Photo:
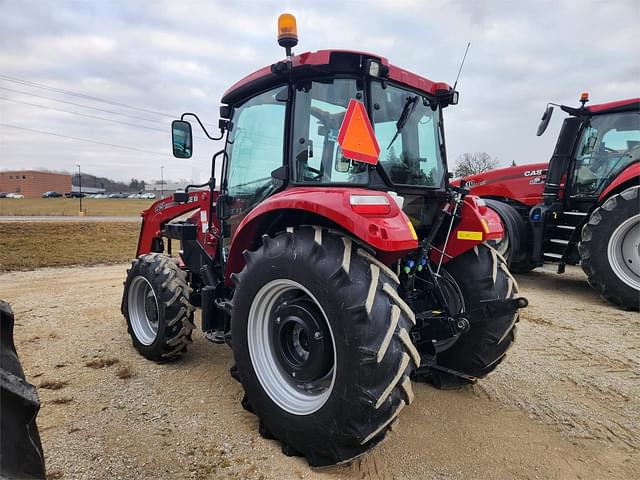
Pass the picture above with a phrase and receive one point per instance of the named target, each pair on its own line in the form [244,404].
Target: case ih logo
[533,173]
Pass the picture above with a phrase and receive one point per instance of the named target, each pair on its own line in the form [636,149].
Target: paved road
[61,218]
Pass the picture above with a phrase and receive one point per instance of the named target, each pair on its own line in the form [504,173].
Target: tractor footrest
[180,231]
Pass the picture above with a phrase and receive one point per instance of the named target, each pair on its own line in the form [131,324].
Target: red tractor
[335,277]
[580,208]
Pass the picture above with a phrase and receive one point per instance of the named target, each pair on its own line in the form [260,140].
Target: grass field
[27,245]
[70,206]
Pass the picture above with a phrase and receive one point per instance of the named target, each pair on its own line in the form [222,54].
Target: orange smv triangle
[356,137]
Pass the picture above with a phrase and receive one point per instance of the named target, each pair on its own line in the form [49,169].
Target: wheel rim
[624,252]
[291,346]
[143,310]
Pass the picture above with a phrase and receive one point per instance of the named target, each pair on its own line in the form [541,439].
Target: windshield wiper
[407,110]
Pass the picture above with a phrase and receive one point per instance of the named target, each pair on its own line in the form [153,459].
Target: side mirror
[182,139]
[544,122]
[343,164]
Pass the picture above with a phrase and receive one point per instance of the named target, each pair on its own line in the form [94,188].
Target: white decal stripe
[375,273]
[389,290]
[385,424]
[390,273]
[346,256]
[395,315]
[413,351]
[387,391]
[408,391]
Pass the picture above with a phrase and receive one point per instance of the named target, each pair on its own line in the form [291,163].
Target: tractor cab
[283,126]
[288,135]
[596,144]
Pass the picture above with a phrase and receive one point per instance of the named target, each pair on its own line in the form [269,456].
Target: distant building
[32,183]
[166,189]
[87,190]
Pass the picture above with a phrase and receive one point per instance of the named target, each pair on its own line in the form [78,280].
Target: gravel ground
[564,404]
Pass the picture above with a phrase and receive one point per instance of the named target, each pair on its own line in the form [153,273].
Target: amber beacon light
[287,32]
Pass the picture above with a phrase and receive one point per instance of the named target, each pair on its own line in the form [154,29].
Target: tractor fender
[390,233]
[629,177]
[477,224]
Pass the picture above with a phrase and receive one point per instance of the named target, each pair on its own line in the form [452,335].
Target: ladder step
[565,227]
[552,255]
[560,241]
[582,214]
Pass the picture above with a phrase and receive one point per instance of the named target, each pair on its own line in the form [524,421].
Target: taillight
[482,206]
[370,204]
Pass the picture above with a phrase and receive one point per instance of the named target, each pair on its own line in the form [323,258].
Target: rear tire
[156,305]
[481,274]
[333,393]
[513,246]
[609,249]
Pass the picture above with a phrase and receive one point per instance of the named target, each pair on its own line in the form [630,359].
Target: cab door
[255,148]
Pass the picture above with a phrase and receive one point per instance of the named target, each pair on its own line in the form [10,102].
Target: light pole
[162,180]
[80,186]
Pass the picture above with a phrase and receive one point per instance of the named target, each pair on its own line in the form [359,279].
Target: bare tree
[472,163]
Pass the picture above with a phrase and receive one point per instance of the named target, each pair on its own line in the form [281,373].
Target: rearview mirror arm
[203,127]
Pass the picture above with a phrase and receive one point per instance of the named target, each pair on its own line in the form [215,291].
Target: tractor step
[581,214]
[559,241]
[553,255]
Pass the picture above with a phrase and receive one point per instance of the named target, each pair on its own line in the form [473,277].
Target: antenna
[461,65]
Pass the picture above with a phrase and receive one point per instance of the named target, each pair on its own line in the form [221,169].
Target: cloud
[182,55]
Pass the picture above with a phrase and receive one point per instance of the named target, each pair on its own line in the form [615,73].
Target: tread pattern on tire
[384,345]
[172,291]
[481,274]
[606,283]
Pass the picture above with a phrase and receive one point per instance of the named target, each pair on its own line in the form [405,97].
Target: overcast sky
[174,56]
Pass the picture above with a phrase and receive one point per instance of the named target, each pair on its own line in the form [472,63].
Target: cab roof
[326,62]
[617,106]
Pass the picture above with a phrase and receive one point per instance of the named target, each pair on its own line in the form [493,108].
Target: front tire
[321,344]
[480,274]
[155,303]
[610,249]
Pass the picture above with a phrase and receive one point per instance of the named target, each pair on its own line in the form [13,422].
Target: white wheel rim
[278,384]
[624,252]
[143,323]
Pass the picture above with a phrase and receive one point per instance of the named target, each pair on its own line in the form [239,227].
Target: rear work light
[370,204]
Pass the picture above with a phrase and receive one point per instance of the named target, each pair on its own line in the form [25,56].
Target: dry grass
[102,362]
[28,245]
[71,206]
[61,400]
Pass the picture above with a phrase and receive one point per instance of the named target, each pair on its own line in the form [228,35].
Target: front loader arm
[164,210]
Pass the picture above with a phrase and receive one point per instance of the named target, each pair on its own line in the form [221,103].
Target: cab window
[608,144]
[407,130]
[255,148]
[319,110]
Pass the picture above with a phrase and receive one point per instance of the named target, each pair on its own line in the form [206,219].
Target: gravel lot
[565,404]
